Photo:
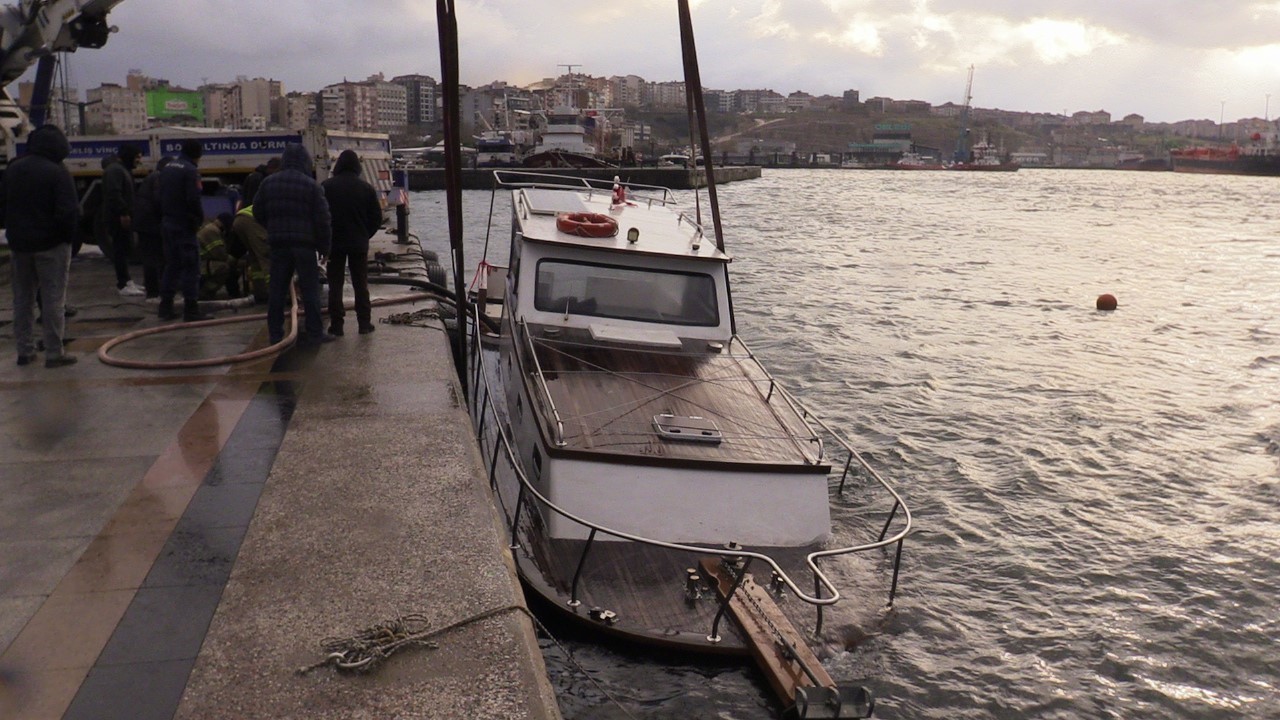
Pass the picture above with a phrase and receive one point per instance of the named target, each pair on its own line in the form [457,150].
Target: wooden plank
[762,622]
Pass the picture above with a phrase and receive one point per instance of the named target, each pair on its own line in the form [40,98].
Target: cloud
[1167,59]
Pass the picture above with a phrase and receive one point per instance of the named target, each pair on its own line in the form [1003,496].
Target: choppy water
[1096,493]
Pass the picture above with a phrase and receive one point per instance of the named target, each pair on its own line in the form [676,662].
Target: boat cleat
[829,703]
[777,585]
[692,585]
[608,617]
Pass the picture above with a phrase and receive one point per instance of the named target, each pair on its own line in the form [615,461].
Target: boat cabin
[656,282]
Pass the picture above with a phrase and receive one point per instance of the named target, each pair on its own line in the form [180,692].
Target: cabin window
[626,293]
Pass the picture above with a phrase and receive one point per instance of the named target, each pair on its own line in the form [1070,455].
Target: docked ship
[564,142]
[1260,157]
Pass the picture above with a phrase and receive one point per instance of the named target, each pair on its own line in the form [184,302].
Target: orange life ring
[591,225]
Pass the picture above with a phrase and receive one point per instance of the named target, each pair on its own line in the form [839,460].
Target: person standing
[254,180]
[181,215]
[117,213]
[146,223]
[40,213]
[291,205]
[357,215]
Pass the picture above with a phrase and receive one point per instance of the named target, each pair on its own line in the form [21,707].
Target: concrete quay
[177,543]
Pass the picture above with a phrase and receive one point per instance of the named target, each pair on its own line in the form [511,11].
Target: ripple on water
[1095,493]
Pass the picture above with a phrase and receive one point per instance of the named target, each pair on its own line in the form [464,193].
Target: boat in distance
[646,464]
[1260,157]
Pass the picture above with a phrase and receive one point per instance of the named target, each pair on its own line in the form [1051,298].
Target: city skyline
[1068,56]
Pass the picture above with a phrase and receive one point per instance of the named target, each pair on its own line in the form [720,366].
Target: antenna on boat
[693,91]
[696,106]
[447,28]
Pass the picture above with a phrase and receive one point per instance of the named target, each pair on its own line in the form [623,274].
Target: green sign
[164,104]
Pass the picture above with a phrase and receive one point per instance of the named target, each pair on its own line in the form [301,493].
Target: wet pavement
[178,543]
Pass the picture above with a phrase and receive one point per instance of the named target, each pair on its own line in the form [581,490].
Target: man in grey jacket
[40,215]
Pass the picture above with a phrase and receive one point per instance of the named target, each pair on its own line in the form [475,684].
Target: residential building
[297,111]
[350,106]
[420,98]
[116,109]
[392,105]
[667,95]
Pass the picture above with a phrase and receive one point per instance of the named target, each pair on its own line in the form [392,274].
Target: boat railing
[483,406]
[545,396]
[652,194]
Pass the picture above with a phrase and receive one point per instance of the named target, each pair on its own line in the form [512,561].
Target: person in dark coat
[357,215]
[40,213]
[117,213]
[146,223]
[254,180]
[291,205]
[181,215]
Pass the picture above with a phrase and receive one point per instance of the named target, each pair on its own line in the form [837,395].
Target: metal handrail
[542,383]
[525,179]
[821,581]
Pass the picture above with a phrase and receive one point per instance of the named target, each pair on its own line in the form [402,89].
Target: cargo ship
[1260,157]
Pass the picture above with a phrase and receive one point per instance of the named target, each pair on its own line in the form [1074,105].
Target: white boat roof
[664,229]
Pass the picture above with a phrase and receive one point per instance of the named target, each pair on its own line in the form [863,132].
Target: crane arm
[31,32]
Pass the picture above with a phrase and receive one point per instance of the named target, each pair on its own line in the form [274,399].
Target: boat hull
[1266,165]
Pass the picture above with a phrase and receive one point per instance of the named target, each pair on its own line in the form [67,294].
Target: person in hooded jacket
[40,214]
[181,215]
[146,222]
[291,205]
[117,213]
[357,215]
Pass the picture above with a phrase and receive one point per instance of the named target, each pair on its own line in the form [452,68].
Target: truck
[36,32]
[229,156]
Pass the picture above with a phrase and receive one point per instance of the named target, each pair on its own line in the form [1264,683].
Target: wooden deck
[608,398]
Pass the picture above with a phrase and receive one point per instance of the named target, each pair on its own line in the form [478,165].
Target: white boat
[638,448]
[496,149]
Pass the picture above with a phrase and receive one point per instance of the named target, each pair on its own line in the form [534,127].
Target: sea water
[1095,493]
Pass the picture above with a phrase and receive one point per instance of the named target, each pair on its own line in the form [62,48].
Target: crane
[962,143]
[32,32]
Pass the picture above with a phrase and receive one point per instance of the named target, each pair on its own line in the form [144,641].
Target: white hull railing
[483,405]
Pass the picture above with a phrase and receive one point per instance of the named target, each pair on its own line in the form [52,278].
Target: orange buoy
[1106,301]
[582,224]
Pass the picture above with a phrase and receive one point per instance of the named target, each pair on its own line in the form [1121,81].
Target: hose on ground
[104,352]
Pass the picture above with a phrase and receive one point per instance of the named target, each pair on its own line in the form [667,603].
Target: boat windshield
[626,293]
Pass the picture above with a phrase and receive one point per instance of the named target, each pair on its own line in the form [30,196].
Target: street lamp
[1266,114]
[1222,109]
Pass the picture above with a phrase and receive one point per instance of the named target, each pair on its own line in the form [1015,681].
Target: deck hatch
[550,202]
[689,428]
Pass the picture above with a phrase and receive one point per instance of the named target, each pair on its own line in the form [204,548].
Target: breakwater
[673,177]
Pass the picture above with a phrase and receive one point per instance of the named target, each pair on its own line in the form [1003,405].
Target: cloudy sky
[1165,59]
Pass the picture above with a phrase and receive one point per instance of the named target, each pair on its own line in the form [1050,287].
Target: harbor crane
[962,143]
[32,32]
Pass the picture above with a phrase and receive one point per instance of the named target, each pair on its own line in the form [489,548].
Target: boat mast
[962,143]
[447,29]
[698,108]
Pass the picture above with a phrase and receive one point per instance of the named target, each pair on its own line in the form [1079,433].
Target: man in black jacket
[181,215]
[40,214]
[357,215]
[291,205]
[117,213]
